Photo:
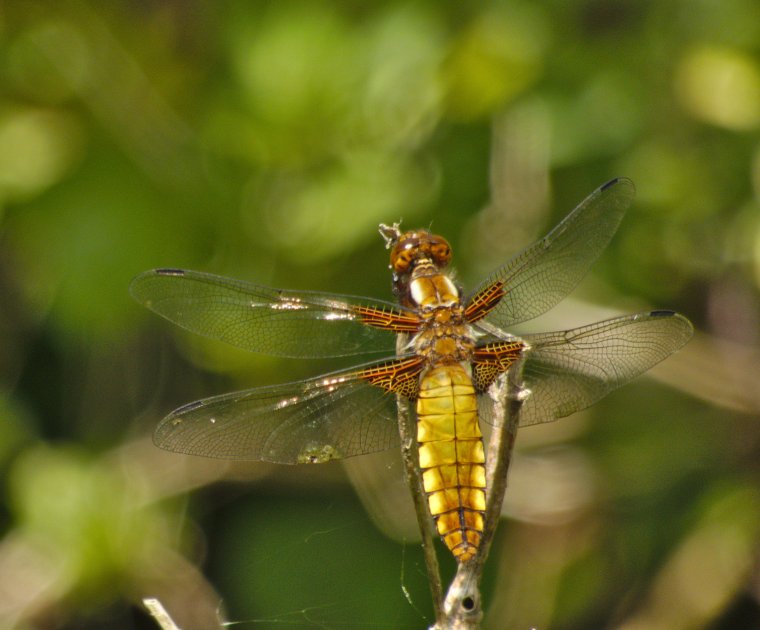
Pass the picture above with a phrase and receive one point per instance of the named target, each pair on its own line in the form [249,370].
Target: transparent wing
[571,370]
[271,321]
[547,271]
[312,421]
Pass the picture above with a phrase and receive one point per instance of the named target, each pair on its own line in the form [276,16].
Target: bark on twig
[407,427]
[158,612]
[408,430]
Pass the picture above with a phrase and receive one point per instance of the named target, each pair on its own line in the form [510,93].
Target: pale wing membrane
[270,321]
[571,370]
[313,421]
[542,275]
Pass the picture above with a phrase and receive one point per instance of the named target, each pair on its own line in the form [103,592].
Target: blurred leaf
[88,517]
[494,58]
[37,148]
[721,86]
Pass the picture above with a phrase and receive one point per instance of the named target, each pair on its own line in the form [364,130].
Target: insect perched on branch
[459,345]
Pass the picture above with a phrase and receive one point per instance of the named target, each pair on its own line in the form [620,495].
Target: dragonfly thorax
[444,337]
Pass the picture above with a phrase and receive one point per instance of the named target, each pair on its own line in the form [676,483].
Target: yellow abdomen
[452,457]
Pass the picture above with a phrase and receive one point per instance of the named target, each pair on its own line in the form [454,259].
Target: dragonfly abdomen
[452,457]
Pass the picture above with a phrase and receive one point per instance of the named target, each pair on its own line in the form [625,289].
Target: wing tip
[136,285]
[625,182]
[686,331]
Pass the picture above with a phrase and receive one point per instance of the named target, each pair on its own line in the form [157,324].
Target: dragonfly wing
[571,370]
[336,415]
[271,321]
[542,275]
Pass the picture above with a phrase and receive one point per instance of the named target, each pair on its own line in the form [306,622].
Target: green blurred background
[266,141]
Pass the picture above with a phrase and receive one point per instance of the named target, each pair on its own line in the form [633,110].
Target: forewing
[547,271]
[271,321]
[571,370]
[313,421]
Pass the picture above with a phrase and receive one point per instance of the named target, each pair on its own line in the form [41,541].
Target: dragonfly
[456,346]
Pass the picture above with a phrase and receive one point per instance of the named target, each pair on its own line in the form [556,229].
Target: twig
[414,478]
[158,612]
[408,430]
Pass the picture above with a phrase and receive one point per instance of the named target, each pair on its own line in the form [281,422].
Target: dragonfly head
[411,249]
[414,253]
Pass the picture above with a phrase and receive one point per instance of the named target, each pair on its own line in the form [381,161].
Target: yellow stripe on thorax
[451,457]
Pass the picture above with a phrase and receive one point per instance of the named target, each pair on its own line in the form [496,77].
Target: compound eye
[403,255]
[440,251]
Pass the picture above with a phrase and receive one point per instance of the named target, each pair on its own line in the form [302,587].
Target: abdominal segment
[452,458]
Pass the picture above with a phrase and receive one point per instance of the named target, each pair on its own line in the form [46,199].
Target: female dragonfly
[458,347]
